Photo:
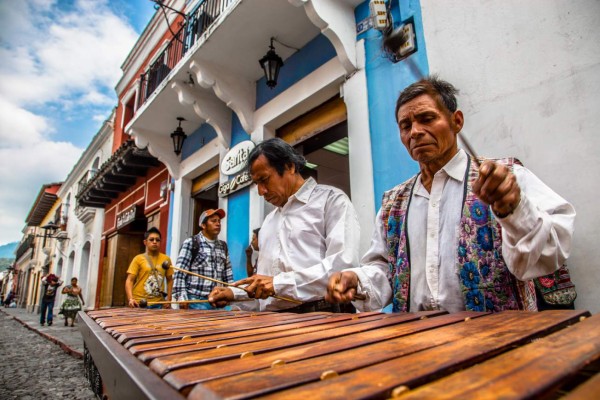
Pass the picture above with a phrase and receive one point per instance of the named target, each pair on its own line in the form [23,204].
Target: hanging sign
[235,160]
[234,184]
[126,216]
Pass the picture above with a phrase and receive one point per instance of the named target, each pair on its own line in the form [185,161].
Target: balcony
[198,22]
[85,214]
[24,246]
[87,177]
[115,176]
[210,68]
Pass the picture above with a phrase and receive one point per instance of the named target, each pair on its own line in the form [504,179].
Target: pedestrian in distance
[73,302]
[252,252]
[50,284]
[145,275]
[206,255]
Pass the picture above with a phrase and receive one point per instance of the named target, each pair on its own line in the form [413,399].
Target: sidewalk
[69,339]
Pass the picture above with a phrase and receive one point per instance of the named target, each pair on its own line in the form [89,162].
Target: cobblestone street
[35,368]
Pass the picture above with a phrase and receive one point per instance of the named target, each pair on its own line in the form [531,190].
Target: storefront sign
[126,216]
[236,158]
[234,184]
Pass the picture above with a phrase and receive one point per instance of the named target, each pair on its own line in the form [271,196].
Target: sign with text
[126,216]
[234,184]
[235,160]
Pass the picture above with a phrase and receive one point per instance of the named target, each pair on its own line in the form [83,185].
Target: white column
[181,227]
[359,139]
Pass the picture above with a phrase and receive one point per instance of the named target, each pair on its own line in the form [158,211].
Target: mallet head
[143,303]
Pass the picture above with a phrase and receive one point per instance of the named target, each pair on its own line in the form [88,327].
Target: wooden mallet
[166,266]
[145,303]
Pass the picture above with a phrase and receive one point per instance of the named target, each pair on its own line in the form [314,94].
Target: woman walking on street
[71,305]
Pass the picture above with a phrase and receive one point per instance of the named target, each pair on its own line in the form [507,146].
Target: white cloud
[59,61]
[96,98]
[18,127]
[23,171]
[99,117]
[67,55]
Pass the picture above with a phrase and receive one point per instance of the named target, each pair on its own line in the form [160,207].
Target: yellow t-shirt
[145,282]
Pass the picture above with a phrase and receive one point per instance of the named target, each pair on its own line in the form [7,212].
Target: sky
[61,61]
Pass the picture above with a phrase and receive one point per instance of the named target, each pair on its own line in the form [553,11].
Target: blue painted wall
[300,64]
[194,142]
[385,80]
[238,207]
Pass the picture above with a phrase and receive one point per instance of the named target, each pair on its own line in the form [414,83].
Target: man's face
[212,226]
[274,188]
[428,131]
[153,242]
[254,241]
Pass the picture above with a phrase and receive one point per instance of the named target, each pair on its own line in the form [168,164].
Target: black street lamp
[271,63]
[178,137]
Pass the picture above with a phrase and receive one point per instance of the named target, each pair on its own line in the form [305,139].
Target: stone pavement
[34,367]
[69,339]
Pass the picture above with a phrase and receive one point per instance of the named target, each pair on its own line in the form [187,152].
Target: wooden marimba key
[232,354]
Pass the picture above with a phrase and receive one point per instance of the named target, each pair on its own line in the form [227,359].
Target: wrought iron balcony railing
[195,24]
[25,245]
[88,176]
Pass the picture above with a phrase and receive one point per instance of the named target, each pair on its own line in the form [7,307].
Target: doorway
[321,136]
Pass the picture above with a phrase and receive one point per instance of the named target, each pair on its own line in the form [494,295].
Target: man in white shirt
[312,232]
[464,233]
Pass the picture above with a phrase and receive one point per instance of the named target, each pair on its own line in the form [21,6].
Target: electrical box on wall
[408,46]
[400,42]
[379,14]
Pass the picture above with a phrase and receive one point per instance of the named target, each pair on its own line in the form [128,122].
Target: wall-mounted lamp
[271,63]
[50,226]
[178,137]
[49,230]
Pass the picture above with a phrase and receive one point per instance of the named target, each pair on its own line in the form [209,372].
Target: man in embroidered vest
[312,231]
[463,234]
[145,275]
[206,255]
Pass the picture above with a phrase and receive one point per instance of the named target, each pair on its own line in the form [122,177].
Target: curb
[73,353]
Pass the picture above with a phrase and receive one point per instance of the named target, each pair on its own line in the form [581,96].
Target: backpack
[196,247]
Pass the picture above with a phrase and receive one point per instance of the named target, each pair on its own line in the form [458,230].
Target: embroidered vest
[485,281]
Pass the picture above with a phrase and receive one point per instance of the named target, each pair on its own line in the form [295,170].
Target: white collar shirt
[314,233]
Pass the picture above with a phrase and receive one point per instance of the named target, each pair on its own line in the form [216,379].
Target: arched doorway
[84,269]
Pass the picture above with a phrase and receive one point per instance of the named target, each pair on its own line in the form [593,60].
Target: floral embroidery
[470,275]
[485,281]
[475,301]
[484,237]
[479,212]
[483,240]
[484,268]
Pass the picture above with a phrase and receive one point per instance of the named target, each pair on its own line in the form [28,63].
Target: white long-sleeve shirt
[536,240]
[301,243]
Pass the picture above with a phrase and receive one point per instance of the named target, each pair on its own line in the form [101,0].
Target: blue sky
[60,63]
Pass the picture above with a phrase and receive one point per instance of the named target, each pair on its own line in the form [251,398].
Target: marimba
[171,354]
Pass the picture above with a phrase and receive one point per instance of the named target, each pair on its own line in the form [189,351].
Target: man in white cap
[206,255]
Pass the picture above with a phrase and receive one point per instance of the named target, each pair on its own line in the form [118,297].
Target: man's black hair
[150,231]
[279,154]
[443,92]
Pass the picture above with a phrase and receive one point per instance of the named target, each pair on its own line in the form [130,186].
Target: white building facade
[527,73]
[77,253]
